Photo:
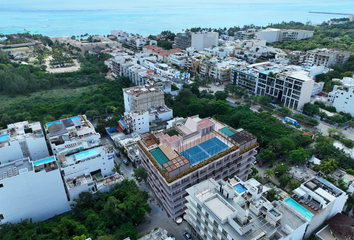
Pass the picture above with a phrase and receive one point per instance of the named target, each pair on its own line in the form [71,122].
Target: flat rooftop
[223,210]
[15,168]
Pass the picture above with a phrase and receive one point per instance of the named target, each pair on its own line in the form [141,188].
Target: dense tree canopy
[104,216]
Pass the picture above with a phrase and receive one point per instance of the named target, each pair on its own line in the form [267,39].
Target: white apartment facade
[21,140]
[178,59]
[201,40]
[317,88]
[31,189]
[72,134]
[279,35]
[84,170]
[291,85]
[326,57]
[342,97]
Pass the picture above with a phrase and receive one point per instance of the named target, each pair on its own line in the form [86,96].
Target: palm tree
[116,168]
[328,166]
[258,178]
[284,181]
[268,173]
[349,205]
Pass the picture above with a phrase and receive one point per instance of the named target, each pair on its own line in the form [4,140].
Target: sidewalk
[158,217]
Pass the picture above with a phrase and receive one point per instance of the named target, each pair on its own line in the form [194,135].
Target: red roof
[308,134]
[205,123]
[119,129]
[173,139]
[165,136]
[322,94]
[342,224]
[164,54]
[150,72]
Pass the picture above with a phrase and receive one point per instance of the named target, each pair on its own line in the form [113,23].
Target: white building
[87,167]
[319,200]
[178,59]
[326,57]
[137,121]
[72,134]
[292,85]
[280,35]
[317,88]
[239,210]
[31,190]
[21,140]
[342,97]
[201,40]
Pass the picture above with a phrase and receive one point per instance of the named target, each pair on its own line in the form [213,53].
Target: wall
[101,162]
[269,36]
[33,195]
[345,100]
[37,147]
[306,92]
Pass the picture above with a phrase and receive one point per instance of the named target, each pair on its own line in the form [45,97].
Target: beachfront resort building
[31,189]
[144,104]
[291,85]
[22,140]
[279,35]
[236,209]
[71,135]
[183,156]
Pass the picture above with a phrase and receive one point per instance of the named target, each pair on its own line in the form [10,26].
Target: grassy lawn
[58,93]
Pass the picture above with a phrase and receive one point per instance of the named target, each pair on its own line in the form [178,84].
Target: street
[158,216]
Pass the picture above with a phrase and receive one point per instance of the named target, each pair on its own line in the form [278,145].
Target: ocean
[77,17]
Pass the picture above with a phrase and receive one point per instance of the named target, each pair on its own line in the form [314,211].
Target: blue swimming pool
[76,117]
[299,208]
[86,154]
[239,188]
[4,137]
[43,161]
[48,124]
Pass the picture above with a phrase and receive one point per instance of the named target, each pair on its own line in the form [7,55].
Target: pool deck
[309,209]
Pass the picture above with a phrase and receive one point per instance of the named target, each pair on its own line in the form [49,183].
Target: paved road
[158,216]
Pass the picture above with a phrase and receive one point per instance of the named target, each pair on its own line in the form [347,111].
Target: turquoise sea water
[66,18]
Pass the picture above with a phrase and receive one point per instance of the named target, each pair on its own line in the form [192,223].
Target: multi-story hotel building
[183,156]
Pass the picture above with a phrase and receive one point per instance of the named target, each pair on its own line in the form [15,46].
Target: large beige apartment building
[183,156]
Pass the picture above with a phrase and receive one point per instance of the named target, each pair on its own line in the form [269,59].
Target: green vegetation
[105,216]
[165,44]
[140,174]
[324,37]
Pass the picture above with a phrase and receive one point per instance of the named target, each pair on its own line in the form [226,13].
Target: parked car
[187,235]
[118,154]
[125,161]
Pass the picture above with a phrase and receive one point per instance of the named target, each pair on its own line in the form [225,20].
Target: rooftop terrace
[18,167]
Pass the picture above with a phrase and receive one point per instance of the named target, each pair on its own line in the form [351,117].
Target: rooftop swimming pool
[299,208]
[43,161]
[4,137]
[76,117]
[239,188]
[86,154]
[49,124]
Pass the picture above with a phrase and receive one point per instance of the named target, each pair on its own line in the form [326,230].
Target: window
[224,232]
[214,230]
[207,215]
[206,222]
[216,224]
[1,185]
[199,207]
[199,214]
[1,217]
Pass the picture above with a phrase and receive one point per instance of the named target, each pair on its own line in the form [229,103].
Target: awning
[299,192]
